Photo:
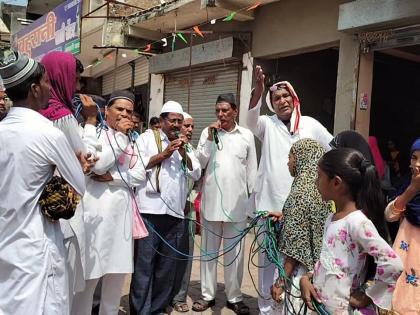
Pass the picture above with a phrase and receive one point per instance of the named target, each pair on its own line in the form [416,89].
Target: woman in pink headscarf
[64,72]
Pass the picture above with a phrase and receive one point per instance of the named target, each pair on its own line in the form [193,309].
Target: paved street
[250,294]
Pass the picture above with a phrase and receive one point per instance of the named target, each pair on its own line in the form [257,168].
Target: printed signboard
[59,30]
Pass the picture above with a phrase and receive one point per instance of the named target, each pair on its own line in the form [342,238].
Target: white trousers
[233,259]
[266,279]
[112,285]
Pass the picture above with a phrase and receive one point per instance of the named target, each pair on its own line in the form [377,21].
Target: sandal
[181,307]
[238,307]
[201,305]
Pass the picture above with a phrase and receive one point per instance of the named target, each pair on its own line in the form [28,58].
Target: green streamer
[180,35]
[229,17]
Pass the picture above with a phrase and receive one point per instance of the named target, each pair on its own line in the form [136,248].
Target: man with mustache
[277,134]
[169,164]
[227,151]
[183,275]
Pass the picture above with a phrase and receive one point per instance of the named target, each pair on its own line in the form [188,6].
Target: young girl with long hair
[406,207]
[338,283]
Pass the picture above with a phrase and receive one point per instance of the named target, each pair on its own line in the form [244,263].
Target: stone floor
[248,290]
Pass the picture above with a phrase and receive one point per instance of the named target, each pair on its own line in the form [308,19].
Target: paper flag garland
[180,35]
[253,7]
[198,31]
[229,17]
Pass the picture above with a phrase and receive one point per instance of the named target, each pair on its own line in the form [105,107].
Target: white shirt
[172,179]
[81,139]
[105,229]
[273,178]
[32,266]
[230,174]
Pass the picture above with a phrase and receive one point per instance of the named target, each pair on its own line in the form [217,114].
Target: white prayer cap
[186,115]
[172,107]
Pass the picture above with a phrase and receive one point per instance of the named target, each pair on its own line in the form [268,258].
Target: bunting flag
[148,48]
[198,31]
[180,35]
[229,17]
[254,6]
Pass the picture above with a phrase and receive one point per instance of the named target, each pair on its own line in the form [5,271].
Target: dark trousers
[152,283]
[183,269]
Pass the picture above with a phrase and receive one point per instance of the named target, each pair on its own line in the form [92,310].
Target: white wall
[370,14]
[290,27]
[246,87]
[156,94]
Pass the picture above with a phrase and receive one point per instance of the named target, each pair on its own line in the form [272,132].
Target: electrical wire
[263,228]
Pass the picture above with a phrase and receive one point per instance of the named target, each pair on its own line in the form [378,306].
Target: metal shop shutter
[207,83]
[123,76]
[141,71]
[122,80]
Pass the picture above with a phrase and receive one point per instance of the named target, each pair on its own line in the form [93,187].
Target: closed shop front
[123,76]
[199,97]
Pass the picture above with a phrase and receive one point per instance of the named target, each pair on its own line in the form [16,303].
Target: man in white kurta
[277,134]
[33,275]
[108,211]
[162,201]
[184,267]
[231,166]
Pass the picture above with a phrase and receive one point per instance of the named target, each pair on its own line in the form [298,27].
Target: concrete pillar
[246,87]
[156,94]
[347,76]
[364,94]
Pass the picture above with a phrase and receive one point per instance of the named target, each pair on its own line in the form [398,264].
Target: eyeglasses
[174,121]
[277,87]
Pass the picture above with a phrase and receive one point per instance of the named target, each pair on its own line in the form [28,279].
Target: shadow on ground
[248,290]
[194,293]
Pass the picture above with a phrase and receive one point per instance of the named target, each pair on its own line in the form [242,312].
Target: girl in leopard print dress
[304,215]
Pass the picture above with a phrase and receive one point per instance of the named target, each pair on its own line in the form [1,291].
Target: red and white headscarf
[294,120]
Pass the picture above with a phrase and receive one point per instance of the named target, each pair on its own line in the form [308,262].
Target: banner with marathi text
[59,30]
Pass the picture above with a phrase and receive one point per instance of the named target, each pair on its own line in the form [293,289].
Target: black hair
[228,98]
[155,120]
[79,66]
[137,114]
[20,92]
[362,180]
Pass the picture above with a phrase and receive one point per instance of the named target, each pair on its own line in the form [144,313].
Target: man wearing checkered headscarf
[277,133]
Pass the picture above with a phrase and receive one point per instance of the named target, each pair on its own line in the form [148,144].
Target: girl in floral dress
[406,207]
[351,181]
